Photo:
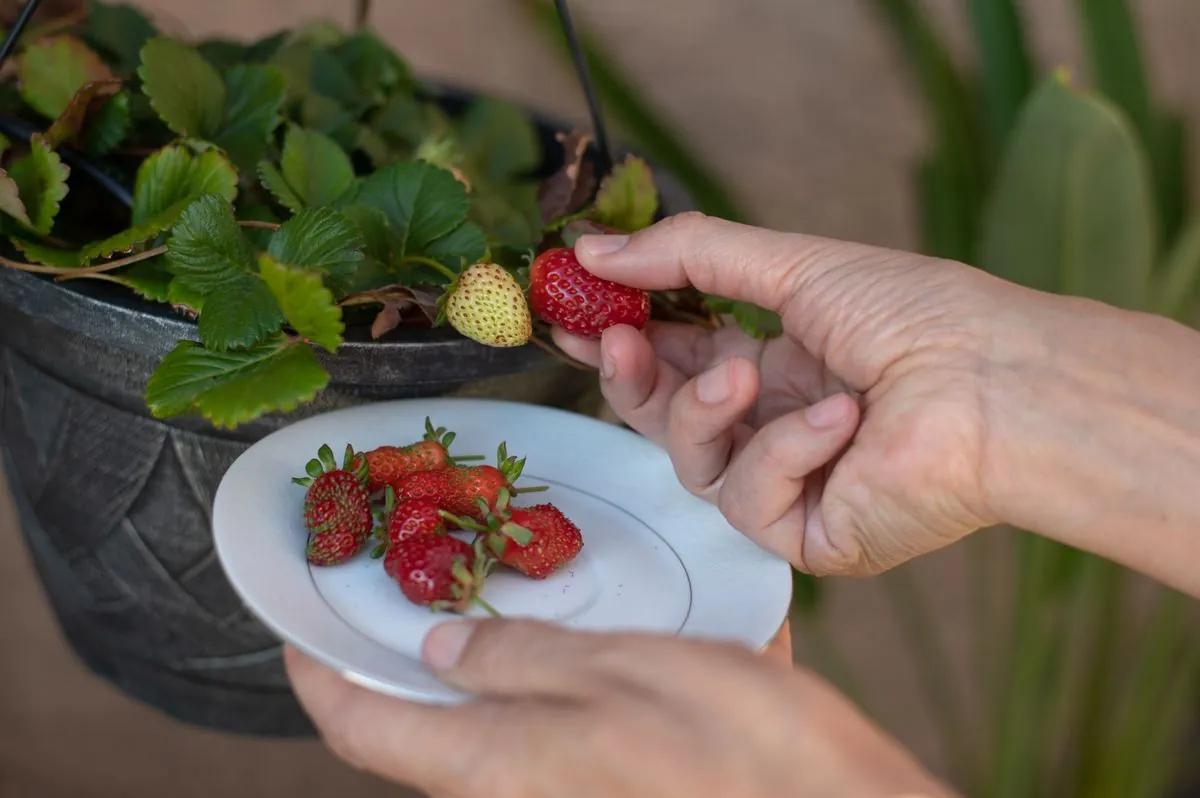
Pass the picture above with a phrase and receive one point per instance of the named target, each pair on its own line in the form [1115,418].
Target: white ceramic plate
[654,558]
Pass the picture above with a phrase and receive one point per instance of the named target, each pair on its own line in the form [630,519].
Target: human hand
[569,713]
[854,441]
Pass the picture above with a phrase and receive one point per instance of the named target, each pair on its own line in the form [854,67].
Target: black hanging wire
[20,129]
[585,83]
[18,26]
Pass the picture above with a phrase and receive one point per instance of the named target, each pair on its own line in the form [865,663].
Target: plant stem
[258,224]
[932,670]
[554,352]
[440,268]
[70,272]
[531,489]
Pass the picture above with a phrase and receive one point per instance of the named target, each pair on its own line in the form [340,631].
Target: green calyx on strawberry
[534,540]
[441,572]
[337,509]
[486,304]
[459,489]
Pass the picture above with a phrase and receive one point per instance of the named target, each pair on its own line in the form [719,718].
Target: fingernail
[601,245]
[829,412]
[608,366]
[712,387]
[445,643]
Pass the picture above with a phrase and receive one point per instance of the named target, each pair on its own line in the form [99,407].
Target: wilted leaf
[10,199]
[90,98]
[566,191]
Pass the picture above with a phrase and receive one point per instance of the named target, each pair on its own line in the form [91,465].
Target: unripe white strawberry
[487,305]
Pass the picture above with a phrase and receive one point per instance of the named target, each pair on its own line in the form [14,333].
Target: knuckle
[686,222]
[732,506]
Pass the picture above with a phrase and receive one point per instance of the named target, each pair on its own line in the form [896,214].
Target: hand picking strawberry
[565,294]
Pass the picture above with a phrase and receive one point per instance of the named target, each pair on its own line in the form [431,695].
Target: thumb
[714,255]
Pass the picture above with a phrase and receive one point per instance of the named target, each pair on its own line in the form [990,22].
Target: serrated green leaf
[375,69]
[421,202]
[174,173]
[314,170]
[86,102]
[320,113]
[211,258]
[322,239]
[1072,210]
[49,256]
[459,248]
[207,249]
[51,70]
[1178,286]
[508,213]
[628,197]
[239,312]
[498,140]
[118,31]
[184,89]
[379,241]
[10,199]
[108,127]
[307,304]
[253,97]
[272,180]
[41,177]
[180,295]
[149,279]
[229,388]
[130,238]
[402,118]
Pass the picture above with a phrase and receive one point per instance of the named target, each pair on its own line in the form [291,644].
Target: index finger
[716,256]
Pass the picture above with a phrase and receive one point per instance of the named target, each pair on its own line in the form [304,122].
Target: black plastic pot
[115,505]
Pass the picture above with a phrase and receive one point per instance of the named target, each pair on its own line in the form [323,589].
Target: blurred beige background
[801,105]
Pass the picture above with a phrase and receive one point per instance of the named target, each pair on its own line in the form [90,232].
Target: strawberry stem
[530,489]
[467,458]
[488,608]
[432,264]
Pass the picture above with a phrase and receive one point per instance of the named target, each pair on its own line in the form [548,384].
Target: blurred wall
[802,105]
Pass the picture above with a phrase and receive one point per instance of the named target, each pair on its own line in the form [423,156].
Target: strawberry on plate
[337,512]
[458,490]
[386,464]
[440,572]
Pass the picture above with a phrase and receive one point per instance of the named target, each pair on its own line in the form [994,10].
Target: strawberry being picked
[459,489]
[440,572]
[564,293]
[388,463]
[337,512]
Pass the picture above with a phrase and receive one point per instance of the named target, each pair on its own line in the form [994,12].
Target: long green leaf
[1006,69]
[1177,289]
[1072,210]
[1110,33]
[955,179]
[653,135]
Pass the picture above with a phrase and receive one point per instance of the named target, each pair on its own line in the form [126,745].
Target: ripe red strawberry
[439,571]
[414,517]
[564,293]
[554,540]
[386,464]
[337,512]
[459,490]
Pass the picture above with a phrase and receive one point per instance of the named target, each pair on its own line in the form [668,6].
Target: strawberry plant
[285,194]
